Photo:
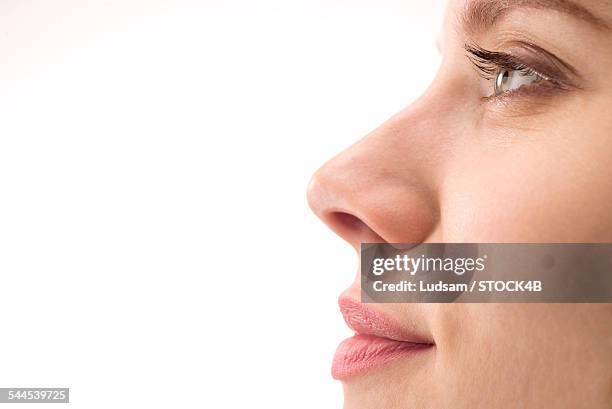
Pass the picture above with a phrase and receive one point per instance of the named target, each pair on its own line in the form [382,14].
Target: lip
[377,342]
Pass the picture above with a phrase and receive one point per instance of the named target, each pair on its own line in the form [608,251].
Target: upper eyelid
[482,58]
[552,69]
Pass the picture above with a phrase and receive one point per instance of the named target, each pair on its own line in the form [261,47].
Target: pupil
[505,77]
[501,82]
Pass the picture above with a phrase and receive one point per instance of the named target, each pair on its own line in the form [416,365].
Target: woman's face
[527,160]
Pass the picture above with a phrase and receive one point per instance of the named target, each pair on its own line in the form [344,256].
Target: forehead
[594,5]
[477,16]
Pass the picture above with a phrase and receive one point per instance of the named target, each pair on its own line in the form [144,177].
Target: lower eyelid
[528,100]
[542,88]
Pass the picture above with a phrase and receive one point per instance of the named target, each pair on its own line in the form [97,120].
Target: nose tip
[328,200]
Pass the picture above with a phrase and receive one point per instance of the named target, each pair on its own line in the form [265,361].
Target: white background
[156,248]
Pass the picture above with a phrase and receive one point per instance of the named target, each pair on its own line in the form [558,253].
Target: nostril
[348,221]
[352,228]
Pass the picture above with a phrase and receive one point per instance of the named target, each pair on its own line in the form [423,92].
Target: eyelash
[490,63]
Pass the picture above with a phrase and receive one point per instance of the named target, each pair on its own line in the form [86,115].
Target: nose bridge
[385,187]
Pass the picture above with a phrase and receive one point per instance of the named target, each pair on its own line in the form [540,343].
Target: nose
[384,188]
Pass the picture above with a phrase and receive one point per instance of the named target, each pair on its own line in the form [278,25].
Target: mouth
[377,342]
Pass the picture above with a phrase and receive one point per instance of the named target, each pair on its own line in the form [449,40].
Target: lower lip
[362,353]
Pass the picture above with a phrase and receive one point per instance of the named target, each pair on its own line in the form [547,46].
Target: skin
[534,167]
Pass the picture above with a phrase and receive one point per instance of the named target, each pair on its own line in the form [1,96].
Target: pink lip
[378,341]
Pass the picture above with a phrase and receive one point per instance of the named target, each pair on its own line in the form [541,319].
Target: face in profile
[510,143]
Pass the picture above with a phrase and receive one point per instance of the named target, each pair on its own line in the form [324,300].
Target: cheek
[526,194]
[494,343]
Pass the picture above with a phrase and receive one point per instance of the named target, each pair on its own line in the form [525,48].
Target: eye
[507,73]
[521,75]
[508,80]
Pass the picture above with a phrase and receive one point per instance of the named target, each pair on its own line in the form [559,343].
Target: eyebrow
[480,15]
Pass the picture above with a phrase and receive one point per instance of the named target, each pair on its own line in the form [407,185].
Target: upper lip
[365,320]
